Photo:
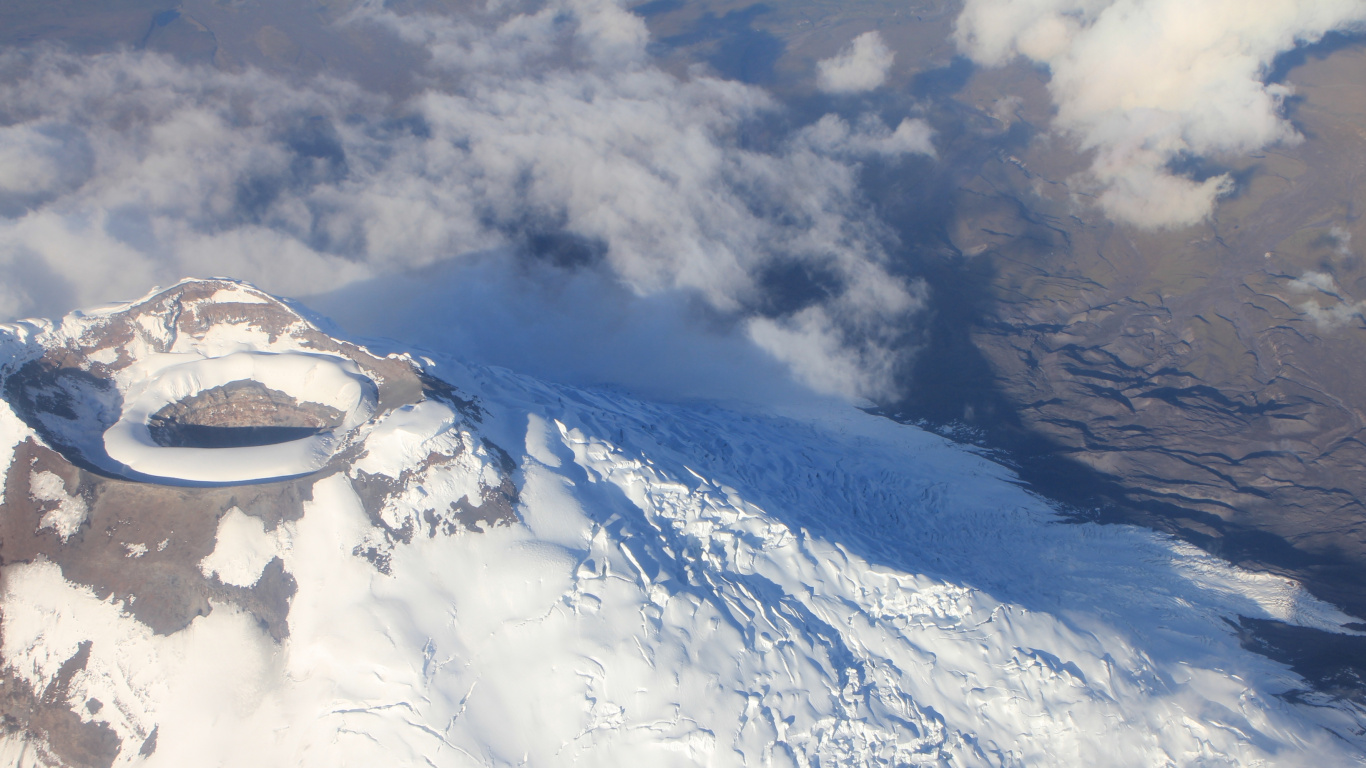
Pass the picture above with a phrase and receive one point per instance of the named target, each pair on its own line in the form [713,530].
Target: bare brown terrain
[62,738]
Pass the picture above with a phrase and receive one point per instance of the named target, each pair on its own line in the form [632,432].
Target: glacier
[486,569]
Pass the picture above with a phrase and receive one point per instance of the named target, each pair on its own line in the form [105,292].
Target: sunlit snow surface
[697,585]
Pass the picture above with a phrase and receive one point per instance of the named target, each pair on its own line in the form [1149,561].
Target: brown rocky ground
[140,545]
[240,413]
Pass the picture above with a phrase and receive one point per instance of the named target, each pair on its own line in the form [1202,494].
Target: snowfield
[685,585]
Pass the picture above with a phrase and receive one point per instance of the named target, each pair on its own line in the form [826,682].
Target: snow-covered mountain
[229,539]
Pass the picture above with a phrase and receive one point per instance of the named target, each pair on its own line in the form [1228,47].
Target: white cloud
[811,344]
[1339,311]
[34,164]
[1143,83]
[543,127]
[1317,281]
[861,66]
[1333,316]
[832,134]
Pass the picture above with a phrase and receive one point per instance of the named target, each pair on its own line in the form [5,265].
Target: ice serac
[482,569]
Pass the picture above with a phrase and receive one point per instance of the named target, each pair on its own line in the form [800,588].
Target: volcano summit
[228,538]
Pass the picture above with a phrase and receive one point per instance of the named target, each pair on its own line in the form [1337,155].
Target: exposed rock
[149,745]
[241,413]
[380,493]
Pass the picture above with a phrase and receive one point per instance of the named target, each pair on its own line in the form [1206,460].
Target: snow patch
[211,689]
[13,431]
[70,513]
[105,356]
[242,550]
[409,435]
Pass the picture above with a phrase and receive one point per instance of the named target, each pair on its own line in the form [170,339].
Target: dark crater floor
[239,414]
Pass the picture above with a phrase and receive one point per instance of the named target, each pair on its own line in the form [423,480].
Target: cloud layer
[544,132]
[1146,84]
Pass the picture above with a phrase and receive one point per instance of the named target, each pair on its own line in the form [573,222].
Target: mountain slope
[484,569]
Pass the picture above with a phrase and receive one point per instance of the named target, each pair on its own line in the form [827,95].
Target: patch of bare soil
[140,544]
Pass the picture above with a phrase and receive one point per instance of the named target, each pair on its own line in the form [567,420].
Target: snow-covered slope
[489,570]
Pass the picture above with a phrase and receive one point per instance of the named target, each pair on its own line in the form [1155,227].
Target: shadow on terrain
[738,51]
[1287,62]
[943,81]
[953,386]
[203,436]
[68,407]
